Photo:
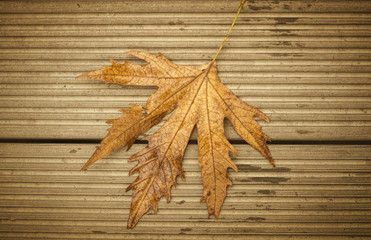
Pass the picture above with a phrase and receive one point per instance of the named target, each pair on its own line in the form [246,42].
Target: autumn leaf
[195,96]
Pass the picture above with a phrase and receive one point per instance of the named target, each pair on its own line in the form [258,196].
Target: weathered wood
[95,129]
[187,18]
[135,6]
[314,190]
[183,236]
[115,46]
[307,65]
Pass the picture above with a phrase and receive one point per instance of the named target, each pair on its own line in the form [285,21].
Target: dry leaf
[196,97]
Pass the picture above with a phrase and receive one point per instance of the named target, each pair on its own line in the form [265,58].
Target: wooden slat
[315,191]
[185,236]
[135,6]
[187,18]
[305,64]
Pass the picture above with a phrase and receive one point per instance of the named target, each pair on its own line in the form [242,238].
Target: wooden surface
[306,64]
[314,191]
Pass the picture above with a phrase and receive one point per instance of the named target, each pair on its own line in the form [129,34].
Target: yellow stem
[229,31]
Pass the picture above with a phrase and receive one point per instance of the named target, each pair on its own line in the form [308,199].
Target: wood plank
[119,44]
[183,236]
[315,191]
[135,6]
[307,68]
[186,18]
[31,32]
[97,130]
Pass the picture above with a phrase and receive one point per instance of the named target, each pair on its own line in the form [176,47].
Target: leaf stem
[229,31]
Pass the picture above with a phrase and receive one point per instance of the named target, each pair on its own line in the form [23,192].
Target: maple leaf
[196,97]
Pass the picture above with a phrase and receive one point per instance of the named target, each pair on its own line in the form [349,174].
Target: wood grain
[306,64]
[314,190]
